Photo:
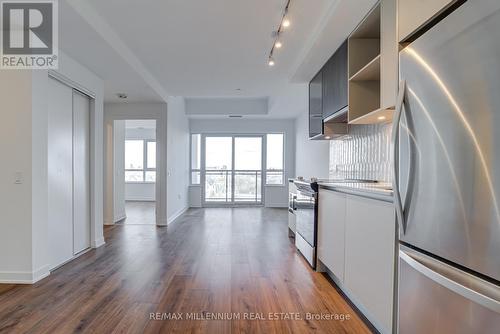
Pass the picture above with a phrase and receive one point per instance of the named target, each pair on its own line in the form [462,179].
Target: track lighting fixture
[284,23]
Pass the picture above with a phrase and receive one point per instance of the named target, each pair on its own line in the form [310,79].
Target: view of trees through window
[140,161]
[240,180]
[275,156]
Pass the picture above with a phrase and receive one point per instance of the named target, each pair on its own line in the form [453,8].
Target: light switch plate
[18,178]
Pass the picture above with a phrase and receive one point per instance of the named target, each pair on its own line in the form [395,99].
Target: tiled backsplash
[363,154]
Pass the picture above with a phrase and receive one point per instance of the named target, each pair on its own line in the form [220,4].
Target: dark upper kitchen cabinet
[316,105]
[327,96]
[335,82]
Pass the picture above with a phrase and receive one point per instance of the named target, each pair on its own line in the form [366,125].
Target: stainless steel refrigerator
[447,175]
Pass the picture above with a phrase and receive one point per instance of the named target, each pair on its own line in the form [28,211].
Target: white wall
[23,143]
[142,192]
[16,151]
[226,106]
[119,173]
[275,196]
[177,158]
[140,133]
[312,156]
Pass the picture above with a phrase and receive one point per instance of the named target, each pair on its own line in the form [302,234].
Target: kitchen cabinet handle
[468,286]
[395,155]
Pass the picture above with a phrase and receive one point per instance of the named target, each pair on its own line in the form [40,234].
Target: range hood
[334,127]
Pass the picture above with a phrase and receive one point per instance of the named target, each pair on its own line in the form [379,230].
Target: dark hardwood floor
[139,213]
[210,263]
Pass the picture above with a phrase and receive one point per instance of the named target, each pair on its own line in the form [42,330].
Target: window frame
[145,168]
[191,169]
[282,171]
[265,170]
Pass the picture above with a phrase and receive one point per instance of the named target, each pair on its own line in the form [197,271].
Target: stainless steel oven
[292,196]
[306,215]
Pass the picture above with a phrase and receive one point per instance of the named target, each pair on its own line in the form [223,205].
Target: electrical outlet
[179,196]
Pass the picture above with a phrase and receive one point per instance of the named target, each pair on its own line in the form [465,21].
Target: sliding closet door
[60,173]
[81,172]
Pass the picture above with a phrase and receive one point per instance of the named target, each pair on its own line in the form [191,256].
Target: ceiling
[152,49]
[84,44]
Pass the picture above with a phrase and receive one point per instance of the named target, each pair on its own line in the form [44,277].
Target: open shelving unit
[364,69]
[370,72]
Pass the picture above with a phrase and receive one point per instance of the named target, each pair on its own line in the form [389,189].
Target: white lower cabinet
[331,230]
[357,242]
[370,258]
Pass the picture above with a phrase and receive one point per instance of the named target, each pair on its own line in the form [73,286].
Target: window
[195,158]
[275,159]
[140,161]
[218,159]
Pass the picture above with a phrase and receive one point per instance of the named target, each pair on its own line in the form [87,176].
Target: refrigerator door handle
[395,155]
[468,286]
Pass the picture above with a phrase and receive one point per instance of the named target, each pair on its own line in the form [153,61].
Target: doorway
[233,169]
[135,160]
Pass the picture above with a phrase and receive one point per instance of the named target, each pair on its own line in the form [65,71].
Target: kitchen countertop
[378,190]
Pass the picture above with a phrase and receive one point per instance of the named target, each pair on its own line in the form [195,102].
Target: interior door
[81,172]
[60,173]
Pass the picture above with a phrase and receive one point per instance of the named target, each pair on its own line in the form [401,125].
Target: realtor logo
[29,34]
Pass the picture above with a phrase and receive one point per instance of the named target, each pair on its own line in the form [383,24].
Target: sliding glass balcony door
[218,172]
[247,169]
[233,170]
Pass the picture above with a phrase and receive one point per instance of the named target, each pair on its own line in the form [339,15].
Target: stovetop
[310,181]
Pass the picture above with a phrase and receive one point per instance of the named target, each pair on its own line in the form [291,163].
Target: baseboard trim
[276,205]
[358,308]
[16,277]
[98,243]
[176,215]
[140,200]
[120,218]
[108,222]
[24,277]
[41,273]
